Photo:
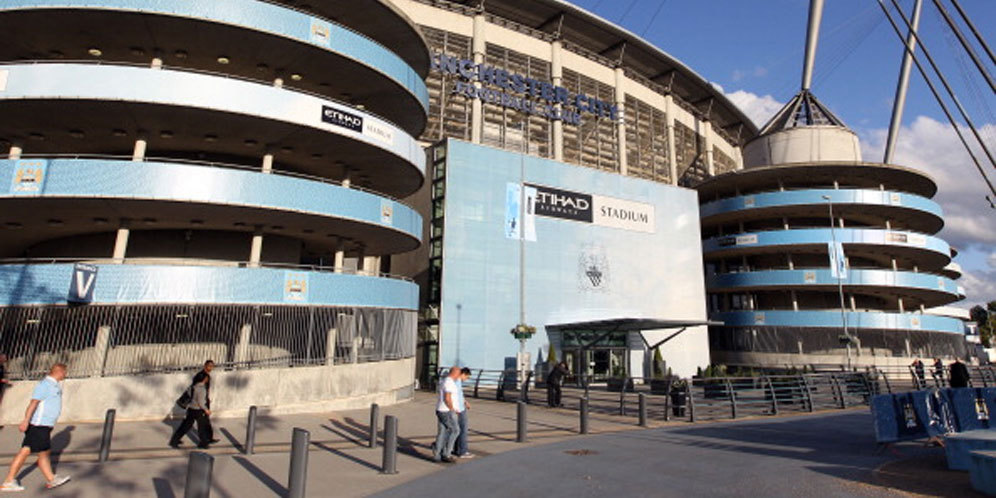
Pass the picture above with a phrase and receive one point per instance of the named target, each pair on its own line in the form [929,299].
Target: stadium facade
[209,180]
[813,256]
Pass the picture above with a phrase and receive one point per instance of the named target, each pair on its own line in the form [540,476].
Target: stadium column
[705,126]
[477,107]
[620,95]
[557,75]
[138,155]
[100,345]
[330,346]
[241,355]
[256,247]
[738,156]
[340,255]
[267,163]
[121,242]
[672,154]
[15,152]
[371,265]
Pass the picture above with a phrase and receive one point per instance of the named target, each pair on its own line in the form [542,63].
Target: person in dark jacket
[918,372]
[959,374]
[554,381]
[197,411]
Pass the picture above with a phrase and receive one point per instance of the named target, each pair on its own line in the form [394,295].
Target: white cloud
[969,223]
[759,109]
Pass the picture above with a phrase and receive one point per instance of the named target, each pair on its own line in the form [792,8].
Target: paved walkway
[825,454]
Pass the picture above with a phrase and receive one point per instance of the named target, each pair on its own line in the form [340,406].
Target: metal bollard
[584,415]
[250,432]
[105,438]
[374,418]
[199,467]
[643,410]
[298,463]
[390,462]
[520,422]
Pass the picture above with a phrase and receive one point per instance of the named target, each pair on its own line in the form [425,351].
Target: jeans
[448,430]
[461,444]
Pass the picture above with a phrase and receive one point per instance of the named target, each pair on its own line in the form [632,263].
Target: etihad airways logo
[595,209]
[342,118]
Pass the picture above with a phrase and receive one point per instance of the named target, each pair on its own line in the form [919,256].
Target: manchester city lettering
[522,93]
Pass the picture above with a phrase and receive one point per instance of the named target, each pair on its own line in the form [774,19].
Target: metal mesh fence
[123,340]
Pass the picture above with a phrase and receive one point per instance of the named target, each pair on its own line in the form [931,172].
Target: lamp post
[840,284]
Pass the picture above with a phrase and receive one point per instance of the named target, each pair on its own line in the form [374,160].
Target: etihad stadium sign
[497,86]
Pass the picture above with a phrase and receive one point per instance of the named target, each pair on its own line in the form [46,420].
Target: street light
[837,270]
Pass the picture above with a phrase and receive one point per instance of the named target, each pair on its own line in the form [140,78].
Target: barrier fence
[143,339]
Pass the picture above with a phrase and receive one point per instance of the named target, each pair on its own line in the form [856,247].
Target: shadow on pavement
[263,477]
[162,487]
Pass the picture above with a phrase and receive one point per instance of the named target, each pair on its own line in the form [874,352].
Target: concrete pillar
[278,82]
[557,75]
[15,152]
[795,301]
[791,263]
[100,348]
[620,95]
[330,346]
[672,153]
[902,309]
[888,224]
[256,248]
[477,108]
[895,266]
[371,265]
[267,163]
[241,355]
[121,242]
[706,128]
[354,353]
[854,306]
[738,156]
[139,153]
[346,181]
[157,63]
[340,255]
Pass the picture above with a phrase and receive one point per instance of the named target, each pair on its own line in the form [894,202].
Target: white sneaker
[57,481]
[12,486]
[466,455]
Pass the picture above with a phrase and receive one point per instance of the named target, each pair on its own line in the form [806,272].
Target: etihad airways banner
[586,208]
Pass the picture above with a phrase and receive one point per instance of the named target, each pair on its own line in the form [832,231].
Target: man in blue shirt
[39,419]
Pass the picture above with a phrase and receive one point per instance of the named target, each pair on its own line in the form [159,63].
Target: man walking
[554,381]
[462,406]
[201,412]
[959,374]
[446,414]
[39,419]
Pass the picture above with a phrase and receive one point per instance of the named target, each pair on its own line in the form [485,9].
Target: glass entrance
[596,355]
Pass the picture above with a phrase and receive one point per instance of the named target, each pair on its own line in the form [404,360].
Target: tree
[551,356]
[986,320]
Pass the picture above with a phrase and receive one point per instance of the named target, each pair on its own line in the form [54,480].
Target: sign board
[82,283]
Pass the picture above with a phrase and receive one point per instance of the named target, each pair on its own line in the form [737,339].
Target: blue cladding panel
[815,197]
[187,89]
[151,284]
[813,236]
[201,184]
[265,17]
[823,277]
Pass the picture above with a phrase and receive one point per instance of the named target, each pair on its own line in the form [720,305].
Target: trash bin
[679,399]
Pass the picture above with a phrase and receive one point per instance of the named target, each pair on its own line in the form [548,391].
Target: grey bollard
[643,410]
[250,432]
[374,418]
[520,422]
[584,415]
[390,462]
[298,463]
[105,438]
[199,468]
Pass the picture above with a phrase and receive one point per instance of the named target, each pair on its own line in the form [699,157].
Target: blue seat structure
[983,472]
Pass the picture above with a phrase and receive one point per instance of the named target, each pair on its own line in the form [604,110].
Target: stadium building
[209,180]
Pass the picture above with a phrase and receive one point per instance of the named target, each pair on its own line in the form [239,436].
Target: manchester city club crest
[593,269]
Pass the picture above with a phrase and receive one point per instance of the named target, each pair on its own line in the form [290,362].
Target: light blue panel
[823,235]
[187,89]
[266,17]
[822,277]
[648,275]
[815,197]
[153,284]
[186,183]
[831,319]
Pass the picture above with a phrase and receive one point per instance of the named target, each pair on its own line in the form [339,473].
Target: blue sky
[753,50]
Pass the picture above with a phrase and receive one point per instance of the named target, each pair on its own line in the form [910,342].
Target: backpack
[184,400]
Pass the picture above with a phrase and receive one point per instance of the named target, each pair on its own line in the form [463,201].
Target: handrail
[216,262]
[203,72]
[194,162]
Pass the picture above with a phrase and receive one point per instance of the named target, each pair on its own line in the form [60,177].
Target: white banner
[627,215]
[838,264]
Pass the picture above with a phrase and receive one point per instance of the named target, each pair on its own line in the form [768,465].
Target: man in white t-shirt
[446,414]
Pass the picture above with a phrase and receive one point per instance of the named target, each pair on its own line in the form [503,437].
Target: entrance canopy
[631,324]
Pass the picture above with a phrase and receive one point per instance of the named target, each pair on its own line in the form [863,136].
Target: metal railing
[899,378]
[695,399]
